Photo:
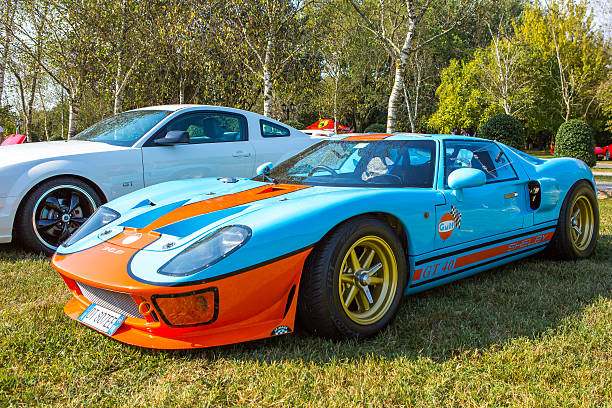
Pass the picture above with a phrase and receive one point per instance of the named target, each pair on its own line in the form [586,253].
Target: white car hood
[28,152]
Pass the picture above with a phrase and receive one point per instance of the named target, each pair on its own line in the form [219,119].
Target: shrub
[376,128]
[55,138]
[294,124]
[505,129]
[575,139]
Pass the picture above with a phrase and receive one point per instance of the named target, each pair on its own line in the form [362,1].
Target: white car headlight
[207,251]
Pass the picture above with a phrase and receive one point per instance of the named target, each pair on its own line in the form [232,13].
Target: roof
[400,136]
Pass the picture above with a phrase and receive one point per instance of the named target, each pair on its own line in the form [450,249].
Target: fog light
[188,309]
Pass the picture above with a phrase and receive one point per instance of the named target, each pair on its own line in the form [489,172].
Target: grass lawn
[544,154]
[606,179]
[534,333]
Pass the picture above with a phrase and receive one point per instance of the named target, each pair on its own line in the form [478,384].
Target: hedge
[505,129]
[376,128]
[575,139]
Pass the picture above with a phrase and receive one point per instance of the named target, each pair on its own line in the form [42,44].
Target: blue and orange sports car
[334,235]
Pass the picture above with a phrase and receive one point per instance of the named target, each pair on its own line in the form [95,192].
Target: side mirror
[264,169]
[465,178]
[173,137]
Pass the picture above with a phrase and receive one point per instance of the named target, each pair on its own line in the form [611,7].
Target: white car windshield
[123,129]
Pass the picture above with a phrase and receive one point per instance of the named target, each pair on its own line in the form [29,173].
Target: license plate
[101,319]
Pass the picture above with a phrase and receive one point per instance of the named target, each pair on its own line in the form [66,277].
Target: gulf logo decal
[446,226]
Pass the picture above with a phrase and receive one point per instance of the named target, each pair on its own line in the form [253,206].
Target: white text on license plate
[102,319]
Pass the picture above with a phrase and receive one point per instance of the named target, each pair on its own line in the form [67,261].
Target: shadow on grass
[524,299]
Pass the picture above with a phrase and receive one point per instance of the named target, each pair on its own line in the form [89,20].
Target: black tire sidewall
[343,239]
[24,229]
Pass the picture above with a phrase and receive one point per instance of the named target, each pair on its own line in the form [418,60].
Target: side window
[211,127]
[485,156]
[269,129]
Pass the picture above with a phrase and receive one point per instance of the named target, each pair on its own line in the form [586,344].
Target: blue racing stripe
[190,225]
[144,219]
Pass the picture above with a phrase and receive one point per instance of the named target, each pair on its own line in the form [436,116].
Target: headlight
[99,219]
[207,251]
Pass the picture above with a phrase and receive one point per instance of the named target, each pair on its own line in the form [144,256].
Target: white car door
[218,146]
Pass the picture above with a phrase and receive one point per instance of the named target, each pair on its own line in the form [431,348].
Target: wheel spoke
[354,260]
[362,302]
[45,225]
[53,203]
[351,295]
[348,278]
[65,233]
[375,269]
[74,202]
[368,295]
[368,261]
[374,280]
[577,229]
[576,213]
[78,220]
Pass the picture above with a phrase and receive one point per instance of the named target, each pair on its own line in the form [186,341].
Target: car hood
[159,222]
[29,152]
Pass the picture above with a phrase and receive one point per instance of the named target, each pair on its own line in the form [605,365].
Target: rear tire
[578,227]
[52,211]
[353,281]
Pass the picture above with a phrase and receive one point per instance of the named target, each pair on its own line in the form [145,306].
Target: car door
[474,213]
[218,146]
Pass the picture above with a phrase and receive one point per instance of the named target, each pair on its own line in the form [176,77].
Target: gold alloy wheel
[582,223]
[368,280]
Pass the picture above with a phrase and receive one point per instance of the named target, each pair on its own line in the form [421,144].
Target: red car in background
[13,140]
[606,153]
[600,153]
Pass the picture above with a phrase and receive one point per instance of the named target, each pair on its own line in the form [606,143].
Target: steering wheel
[374,179]
[322,167]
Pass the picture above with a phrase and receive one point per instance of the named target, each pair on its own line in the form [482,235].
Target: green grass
[534,333]
[543,154]
[606,179]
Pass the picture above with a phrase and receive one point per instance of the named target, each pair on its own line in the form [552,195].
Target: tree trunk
[181,90]
[74,105]
[267,79]
[396,92]
[336,80]
[118,94]
[10,14]
[398,82]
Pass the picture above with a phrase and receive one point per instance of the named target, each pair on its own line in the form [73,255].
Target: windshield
[386,163]
[123,129]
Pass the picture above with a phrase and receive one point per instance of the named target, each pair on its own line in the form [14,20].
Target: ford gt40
[333,236]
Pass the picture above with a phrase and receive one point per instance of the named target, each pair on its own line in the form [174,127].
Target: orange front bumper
[251,305]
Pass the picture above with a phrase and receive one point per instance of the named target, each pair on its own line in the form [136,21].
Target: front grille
[115,301]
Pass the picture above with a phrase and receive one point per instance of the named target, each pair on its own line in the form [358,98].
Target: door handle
[242,154]
[510,195]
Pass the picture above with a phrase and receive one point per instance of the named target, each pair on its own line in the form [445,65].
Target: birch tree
[9,8]
[395,25]
[267,35]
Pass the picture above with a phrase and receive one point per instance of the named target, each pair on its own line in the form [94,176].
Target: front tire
[353,281]
[52,211]
[578,228]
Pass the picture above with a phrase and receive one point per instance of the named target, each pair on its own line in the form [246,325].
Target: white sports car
[47,190]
